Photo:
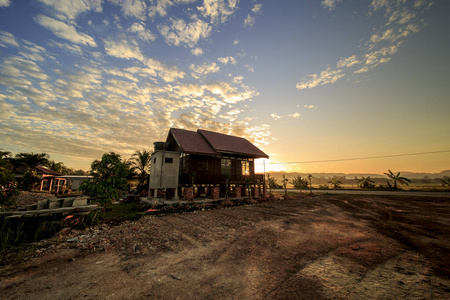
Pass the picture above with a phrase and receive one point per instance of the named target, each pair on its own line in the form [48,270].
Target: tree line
[111,174]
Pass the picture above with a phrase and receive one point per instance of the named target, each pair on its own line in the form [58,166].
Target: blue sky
[303,80]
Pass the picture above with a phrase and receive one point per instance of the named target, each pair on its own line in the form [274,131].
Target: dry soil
[324,247]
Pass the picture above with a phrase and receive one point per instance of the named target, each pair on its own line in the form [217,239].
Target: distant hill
[410,175]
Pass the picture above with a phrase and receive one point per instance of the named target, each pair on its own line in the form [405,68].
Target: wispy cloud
[64,31]
[227,59]
[204,69]
[143,33]
[401,19]
[7,39]
[180,33]
[71,9]
[325,77]
[330,4]
[132,8]
[197,51]
[219,11]
[275,116]
[249,21]
[5,3]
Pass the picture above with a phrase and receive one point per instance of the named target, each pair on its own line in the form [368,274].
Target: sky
[303,80]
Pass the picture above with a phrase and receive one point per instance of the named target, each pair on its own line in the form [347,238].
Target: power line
[357,158]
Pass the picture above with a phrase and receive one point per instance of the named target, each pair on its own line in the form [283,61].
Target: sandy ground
[325,247]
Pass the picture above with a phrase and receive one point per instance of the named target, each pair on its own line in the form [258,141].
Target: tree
[8,187]
[109,178]
[310,177]
[335,182]
[299,183]
[397,178]
[57,167]
[445,181]
[32,160]
[140,160]
[272,182]
[285,181]
[365,182]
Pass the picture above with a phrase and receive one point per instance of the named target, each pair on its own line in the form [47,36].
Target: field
[320,247]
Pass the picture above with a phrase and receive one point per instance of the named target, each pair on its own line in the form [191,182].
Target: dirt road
[330,246]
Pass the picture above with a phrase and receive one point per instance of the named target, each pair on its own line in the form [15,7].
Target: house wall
[213,174]
[164,174]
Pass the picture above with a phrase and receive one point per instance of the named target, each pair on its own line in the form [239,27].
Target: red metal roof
[213,143]
[192,142]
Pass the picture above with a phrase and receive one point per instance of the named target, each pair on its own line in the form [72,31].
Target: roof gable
[231,144]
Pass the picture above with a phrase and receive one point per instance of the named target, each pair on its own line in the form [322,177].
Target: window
[168,160]
[154,160]
[203,165]
[225,166]
[245,166]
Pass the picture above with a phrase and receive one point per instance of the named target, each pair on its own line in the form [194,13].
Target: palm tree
[397,178]
[141,162]
[335,182]
[57,166]
[446,181]
[32,160]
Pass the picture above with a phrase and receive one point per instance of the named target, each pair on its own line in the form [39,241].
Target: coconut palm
[141,162]
[397,178]
[57,166]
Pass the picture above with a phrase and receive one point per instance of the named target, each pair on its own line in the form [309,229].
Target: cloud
[123,48]
[257,8]
[132,8]
[68,47]
[64,31]
[295,115]
[309,106]
[249,21]
[7,39]
[197,51]
[325,77]
[225,60]
[348,62]
[400,21]
[330,4]
[4,3]
[235,42]
[71,9]
[204,69]
[180,33]
[219,11]
[275,116]
[143,33]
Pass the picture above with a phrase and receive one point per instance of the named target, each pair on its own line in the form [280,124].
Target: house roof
[192,142]
[213,143]
[43,170]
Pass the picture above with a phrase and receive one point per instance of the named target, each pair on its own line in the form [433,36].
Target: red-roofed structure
[205,159]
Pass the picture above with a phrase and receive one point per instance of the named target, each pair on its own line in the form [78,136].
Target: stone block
[216,193]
